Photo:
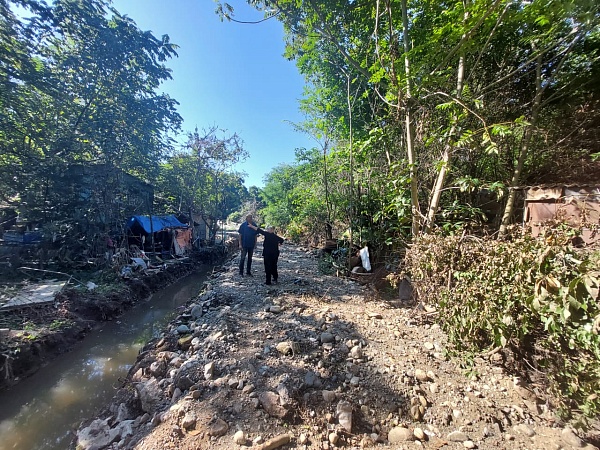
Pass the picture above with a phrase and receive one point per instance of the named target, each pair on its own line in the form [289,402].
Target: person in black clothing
[247,240]
[270,252]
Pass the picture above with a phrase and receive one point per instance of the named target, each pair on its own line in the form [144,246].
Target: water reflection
[42,411]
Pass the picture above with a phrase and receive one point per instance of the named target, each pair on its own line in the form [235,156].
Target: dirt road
[317,362]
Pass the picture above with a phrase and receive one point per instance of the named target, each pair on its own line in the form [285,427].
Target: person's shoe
[242,274]
[275,281]
[268,284]
[249,274]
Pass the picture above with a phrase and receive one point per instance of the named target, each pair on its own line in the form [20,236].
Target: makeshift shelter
[170,235]
[578,206]
[201,229]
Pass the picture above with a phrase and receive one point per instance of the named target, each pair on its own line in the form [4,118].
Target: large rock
[151,395]
[197,312]
[189,374]
[270,402]
[158,368]
[569,437]
[327,337]
[96,436]
[344,414]
[218,428]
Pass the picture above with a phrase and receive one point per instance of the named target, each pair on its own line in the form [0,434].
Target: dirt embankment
[30,337]
[318,362]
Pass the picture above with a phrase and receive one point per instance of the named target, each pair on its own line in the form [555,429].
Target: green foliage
[357,102]
[294,232]
[201,179]
[334,262]
[29,326]
[78,86]
[295,197]
[325,265]
[537,295]
[235,217]
[59,324]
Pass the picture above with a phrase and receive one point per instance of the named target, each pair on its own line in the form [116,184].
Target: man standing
[247,239]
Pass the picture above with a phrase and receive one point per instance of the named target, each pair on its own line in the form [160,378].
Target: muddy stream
[41,412]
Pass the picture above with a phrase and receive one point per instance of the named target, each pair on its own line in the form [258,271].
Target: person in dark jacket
[247,240]
[270,252]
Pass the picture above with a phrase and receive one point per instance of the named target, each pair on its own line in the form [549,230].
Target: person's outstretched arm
[259,230]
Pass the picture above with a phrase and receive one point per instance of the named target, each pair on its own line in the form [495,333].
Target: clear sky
[230,75]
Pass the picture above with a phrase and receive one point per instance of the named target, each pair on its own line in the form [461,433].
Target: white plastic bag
[364,257]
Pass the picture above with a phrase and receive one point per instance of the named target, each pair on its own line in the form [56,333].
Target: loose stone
[344,413]
[333,438]
[218,428]
[419,434]
[400,434]
[189,421]
[275,442]
[329,396]
[569,437]
[239,438]
[457,436]
[209,370]
[421,375]
[524,429]
[327,338]
[356,352]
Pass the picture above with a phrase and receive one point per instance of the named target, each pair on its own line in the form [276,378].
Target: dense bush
[536,296]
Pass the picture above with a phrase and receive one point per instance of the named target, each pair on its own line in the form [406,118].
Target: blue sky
[230,75]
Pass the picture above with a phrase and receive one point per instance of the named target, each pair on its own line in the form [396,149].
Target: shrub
[536,296]
[294,232]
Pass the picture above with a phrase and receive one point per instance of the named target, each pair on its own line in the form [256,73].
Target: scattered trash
[139,262]
[364,256]
[91,285]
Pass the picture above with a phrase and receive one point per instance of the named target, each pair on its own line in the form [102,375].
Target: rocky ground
[317,362]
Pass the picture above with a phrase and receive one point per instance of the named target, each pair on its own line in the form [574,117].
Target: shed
[577,206]
[153,224]
[170,235]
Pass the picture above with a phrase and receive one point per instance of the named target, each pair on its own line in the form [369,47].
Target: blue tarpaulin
[158,223]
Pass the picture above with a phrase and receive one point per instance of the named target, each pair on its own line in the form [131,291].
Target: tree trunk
[412,159]
[436,192]
[351,171]
[328,230]
[516,178]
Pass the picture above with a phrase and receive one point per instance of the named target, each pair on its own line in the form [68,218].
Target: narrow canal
[41,412]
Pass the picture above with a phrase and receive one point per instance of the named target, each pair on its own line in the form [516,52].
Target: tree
[443,93]
[84,93]
[200,179]
[555,47]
